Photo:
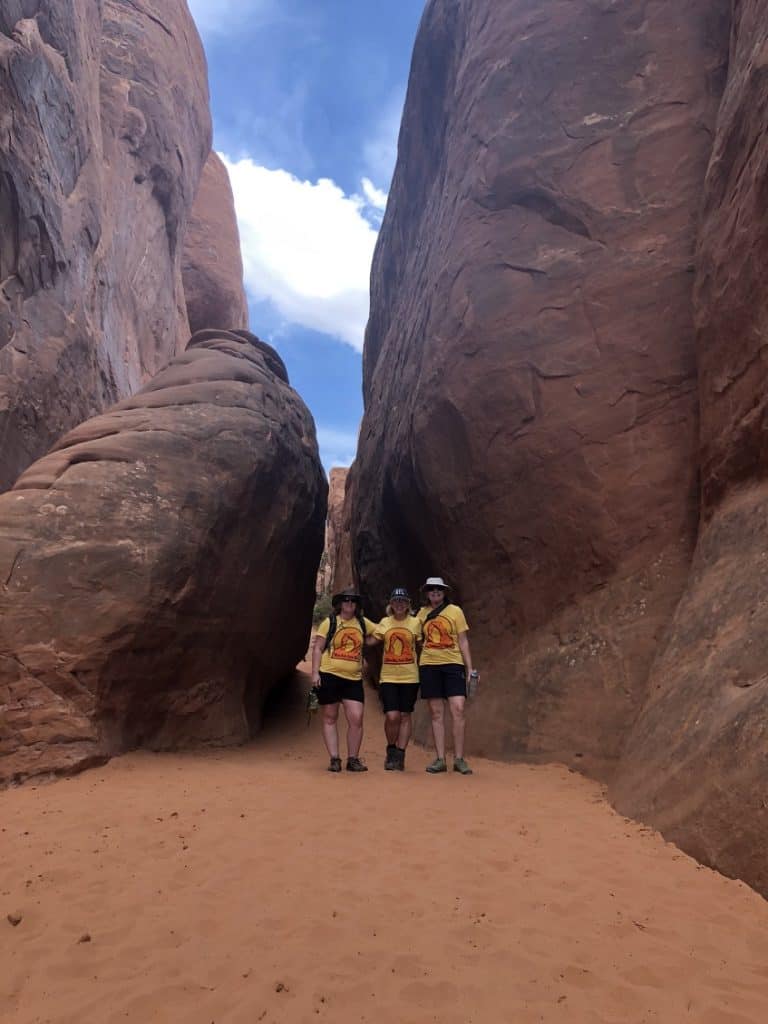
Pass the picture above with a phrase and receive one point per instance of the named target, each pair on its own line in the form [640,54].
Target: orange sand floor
[251,885]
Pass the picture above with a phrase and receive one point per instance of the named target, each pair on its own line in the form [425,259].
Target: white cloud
[376,197]
[380,151]
[337,447]
[307,247]
[223,17]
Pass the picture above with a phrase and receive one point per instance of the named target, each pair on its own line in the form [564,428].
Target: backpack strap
[331,631]
[437,611]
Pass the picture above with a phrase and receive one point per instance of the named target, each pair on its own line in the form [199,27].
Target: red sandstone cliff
[335,539]
[532,285]
[212,267]
[107,128]
[695,762]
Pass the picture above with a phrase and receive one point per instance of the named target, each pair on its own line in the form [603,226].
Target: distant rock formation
[158,565]
[530,424]
[337,479]
[695,763]
[106,130]
[212,268]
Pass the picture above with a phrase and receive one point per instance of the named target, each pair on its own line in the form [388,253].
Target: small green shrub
[322,609]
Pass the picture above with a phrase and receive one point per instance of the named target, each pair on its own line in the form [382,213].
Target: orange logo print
[438,633]
[347,644]
[398,647]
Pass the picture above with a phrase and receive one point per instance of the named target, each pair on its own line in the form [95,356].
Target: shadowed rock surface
[212,267]
[104,107]
[158,565]
[696,761]
[530,424]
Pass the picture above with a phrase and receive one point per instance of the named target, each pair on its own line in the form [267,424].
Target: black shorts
[334,689]
[442,681]
[399,696]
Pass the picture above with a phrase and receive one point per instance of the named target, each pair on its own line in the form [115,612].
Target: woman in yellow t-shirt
[399,631]
[337,672]
[444,667]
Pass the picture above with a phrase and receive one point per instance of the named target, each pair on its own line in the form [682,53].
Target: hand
[316,680]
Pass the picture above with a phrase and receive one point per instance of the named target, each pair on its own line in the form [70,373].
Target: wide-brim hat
[433,582]
[345,595]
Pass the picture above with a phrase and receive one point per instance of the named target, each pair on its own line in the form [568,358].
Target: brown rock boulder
[104,108]
[696,761]
[212,267]
[530,400]
[158,565]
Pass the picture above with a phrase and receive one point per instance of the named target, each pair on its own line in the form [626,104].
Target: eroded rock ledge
[157,566]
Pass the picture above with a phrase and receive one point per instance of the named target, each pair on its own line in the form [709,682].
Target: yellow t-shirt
[441,636]
[399,664]
[345,657]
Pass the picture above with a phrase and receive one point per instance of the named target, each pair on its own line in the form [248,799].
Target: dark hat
[399,594]
[345,595]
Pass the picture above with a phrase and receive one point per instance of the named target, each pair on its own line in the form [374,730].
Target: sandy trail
[251,885]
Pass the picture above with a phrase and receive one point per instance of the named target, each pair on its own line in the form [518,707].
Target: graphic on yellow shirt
[347,643]
[437,634]
[398,648]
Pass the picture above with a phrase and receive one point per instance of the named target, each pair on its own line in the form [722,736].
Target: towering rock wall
[696,760]
[104,108]
[148,563]
[212,267]
[530,424]
[334,531]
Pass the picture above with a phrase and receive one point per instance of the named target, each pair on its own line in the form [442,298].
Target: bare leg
[456,706]
[330,714]
[404,733]
[437,711]
[391,727]
[353,709]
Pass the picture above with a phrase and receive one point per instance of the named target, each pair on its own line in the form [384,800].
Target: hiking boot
[390,761]
[354,764]
[400,764]
[437,766]
[335,764]
[460,765]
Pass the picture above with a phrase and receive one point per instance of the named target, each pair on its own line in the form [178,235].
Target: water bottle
[472,682]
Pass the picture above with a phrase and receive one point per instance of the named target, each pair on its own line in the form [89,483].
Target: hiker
[337,673]
[445,667]
[399,631]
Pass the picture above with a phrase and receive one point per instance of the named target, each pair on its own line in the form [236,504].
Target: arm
[465,652]
[371,638]
[318,646]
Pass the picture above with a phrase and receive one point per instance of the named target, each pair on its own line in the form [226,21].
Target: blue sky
[306,98]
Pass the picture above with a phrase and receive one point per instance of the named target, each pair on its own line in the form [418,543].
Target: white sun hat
[435,581]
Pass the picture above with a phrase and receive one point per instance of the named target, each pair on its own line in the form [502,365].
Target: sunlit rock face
[696,760]
[530,424]
[158,565]
[335,541]
[106,127]
[212,267]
